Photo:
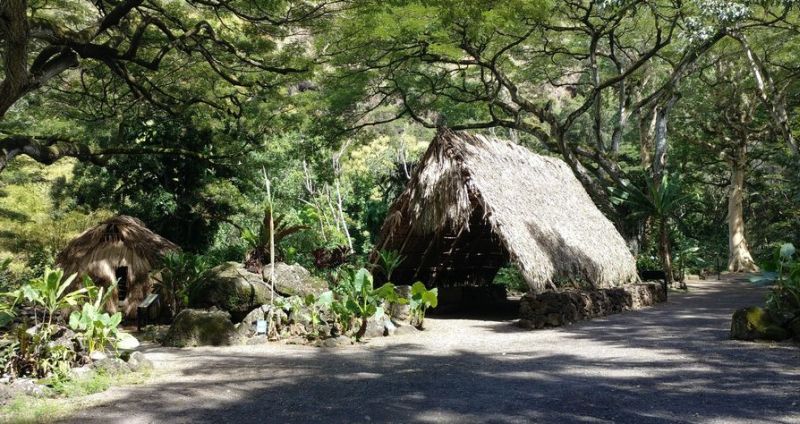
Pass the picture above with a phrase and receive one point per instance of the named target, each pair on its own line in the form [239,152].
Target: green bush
[178,275]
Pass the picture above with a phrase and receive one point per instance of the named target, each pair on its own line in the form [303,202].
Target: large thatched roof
[474,203]
[111,238]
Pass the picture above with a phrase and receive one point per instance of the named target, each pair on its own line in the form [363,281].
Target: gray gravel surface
[669,363]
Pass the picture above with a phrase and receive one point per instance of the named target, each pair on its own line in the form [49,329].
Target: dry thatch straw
[475,203]
[119,248]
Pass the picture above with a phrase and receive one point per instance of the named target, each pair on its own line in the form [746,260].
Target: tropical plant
[660,202]
[32,354]
[317,305]
[98,328]
[48,294]
[179,273]
[358,299]
[258,241]
[421,300]
[784,298]
[8,307]
[688,258]
[388,261]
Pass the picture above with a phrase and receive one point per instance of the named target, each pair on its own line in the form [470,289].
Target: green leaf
[325,299]
[75,320]
[432,298]
[116,319]
[362,280]
[418,288]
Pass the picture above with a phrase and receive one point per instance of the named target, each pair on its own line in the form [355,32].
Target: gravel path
[670,363]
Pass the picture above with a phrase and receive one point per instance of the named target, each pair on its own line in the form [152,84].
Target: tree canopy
[176,110]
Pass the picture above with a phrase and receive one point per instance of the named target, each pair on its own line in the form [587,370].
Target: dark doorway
[122,282]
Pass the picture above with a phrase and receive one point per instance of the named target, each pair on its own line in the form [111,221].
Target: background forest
[679,118]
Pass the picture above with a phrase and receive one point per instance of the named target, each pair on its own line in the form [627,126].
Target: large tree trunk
[661,145]
[647,130]
[739,257]
[664,251]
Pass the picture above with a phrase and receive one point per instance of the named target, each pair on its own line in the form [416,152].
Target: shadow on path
[671,363]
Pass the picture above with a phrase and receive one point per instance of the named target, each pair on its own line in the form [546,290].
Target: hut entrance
[462,264]
[121,275]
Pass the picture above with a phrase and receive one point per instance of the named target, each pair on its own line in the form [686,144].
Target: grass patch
[28,409]
[64,394]
[95,382]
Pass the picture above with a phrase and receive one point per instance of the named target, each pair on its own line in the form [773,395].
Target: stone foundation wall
[554,309]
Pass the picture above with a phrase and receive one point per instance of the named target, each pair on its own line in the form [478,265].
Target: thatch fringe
[531,209]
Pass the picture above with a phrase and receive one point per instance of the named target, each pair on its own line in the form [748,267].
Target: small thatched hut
[120,249]
[475,204]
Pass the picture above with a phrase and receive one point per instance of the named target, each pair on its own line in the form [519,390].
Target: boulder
[127,342]
[379,326]
[405,330]
[247,328]
[294,280]
[193,327]
[401,312]
[28,387]
[65,337]
[336,342]
[232,288]
[138,362]
[111,366]
[754,323]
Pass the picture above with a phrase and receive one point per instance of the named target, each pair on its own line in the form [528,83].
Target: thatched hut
[120,249]
[475,203]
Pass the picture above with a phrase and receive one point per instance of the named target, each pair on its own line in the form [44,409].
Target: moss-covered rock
[232,288]
[193,327]
[294,280]
[754,323]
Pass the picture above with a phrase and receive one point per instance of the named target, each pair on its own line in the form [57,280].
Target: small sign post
[261,326]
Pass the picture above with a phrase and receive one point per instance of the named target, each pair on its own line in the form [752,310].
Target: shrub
[178,275]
